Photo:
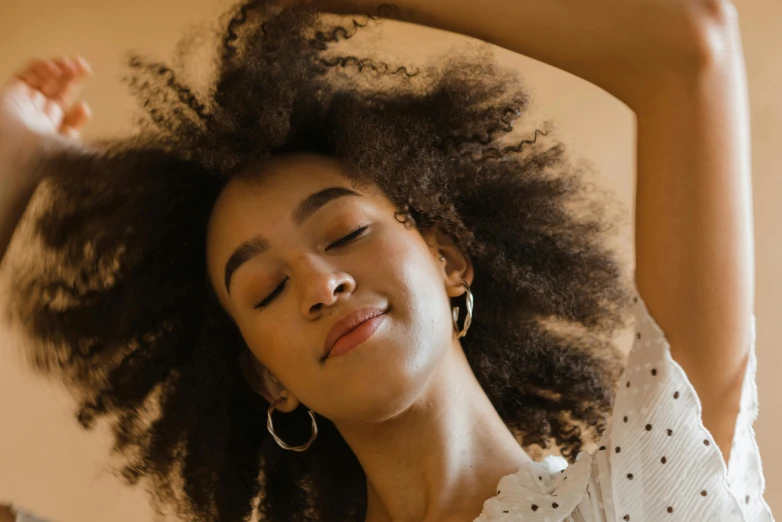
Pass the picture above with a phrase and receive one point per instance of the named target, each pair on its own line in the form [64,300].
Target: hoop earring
[280,442]
[468,319]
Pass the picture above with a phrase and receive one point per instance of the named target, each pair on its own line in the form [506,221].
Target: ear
[456,267]
[264,383]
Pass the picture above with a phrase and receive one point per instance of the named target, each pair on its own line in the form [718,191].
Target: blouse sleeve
[657,461]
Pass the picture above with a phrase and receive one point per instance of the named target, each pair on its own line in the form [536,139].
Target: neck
[442,457]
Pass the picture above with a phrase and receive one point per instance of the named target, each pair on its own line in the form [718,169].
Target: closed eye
[338,243]
[347,239]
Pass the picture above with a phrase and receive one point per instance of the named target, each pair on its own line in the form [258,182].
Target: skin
[406,401]
[694,230]
[679,66]
[694,250]
[38,113]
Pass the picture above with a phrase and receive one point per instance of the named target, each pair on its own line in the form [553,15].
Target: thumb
[71,132]
[77,116]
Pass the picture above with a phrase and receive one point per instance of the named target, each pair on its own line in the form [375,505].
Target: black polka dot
[498,491]
[705,442]
[703,493]
[654,371]
[670,509]
[648,427]
[602,448]
[555,505]
[638,335]
[676,395]
[565,478]
[630,476]
[628,384]
[506,511]
[670,432]
[625,418]
[618,449]
[746,499]
[626,517]
[540,478]
[663,460]
[635,299]
[534,507]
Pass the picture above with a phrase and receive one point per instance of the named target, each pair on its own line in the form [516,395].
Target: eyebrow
[258,244]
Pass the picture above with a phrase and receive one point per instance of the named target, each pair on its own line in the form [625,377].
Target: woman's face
[313,271]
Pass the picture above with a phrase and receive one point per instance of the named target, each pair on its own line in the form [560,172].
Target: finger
[50,76]
[70,132]
[78,115]
[83,66]
[30,76]
[71,82]
[67,73]
[67,65]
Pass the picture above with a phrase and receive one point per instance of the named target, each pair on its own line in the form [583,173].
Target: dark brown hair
[127,318]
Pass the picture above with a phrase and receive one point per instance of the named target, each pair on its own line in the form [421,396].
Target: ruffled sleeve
[659,459]
[656,460]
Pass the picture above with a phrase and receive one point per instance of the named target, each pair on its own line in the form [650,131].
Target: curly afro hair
[123,313]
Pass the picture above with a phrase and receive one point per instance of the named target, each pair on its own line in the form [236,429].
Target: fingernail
[70,65]
[84,64]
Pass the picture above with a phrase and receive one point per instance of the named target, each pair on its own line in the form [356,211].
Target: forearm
[694,224]
[15,193]
[522,26]
[568,35]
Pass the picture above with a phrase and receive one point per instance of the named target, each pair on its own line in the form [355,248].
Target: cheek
[290,360]
[418,291]
[277,347]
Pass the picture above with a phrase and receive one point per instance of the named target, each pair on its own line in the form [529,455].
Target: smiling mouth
[357,336]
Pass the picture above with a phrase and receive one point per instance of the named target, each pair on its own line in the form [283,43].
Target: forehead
[272,193]
[267,197]
[289,176]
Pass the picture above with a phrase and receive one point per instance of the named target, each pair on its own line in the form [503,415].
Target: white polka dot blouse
[656,461]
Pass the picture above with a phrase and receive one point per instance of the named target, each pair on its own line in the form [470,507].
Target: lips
[349,323]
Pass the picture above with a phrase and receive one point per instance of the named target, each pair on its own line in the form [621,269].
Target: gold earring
[468,319]
[270,427]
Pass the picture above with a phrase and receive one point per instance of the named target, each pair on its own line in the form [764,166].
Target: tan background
[48,465]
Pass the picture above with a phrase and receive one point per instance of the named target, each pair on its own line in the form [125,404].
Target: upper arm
[694,232]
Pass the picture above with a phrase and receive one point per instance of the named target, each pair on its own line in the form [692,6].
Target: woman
[359,249]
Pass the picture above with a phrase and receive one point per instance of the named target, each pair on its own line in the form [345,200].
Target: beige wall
[50,466]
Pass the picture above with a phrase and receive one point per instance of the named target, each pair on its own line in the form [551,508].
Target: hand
[37,108]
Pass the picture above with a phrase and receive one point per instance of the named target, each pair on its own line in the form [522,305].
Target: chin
[383,382]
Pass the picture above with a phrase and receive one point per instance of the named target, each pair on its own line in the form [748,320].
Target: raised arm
[38,116]
[619,46]
[679,66]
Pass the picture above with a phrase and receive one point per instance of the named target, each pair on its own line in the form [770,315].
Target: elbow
[717,23]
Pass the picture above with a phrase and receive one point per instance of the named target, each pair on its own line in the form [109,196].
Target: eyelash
[338,243]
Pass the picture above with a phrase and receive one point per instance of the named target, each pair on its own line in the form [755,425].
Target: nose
[322,286]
